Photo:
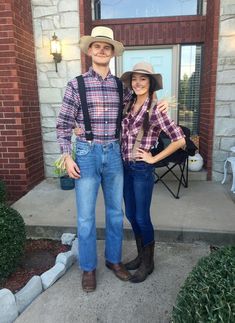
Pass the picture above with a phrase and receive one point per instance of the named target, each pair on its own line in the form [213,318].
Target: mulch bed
[39,257]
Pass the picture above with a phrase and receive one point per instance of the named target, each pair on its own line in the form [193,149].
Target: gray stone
[48,95]
[225,77]
[49,122]
[47,110]
[47,23]
[51,148]
[224,127]
[222,110]
[8,312]
[216,143]
[52,275]
[57,83]
[219,155]
[225,48]
[228,9]
[74,248]
[67,238]
[50,136]
[41,2]
[218,166]
[71,52]
[69,19]
[65,5]
[216,176]
[227,143]
[227,26]
[66,258]
[44,11]
[27,294]
[225,92]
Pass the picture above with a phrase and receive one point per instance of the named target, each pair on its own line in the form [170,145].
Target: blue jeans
[99,164]
[138,189]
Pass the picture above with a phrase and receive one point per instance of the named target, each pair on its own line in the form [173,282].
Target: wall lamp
[56,50]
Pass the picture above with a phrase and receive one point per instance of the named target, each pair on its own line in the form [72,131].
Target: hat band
[104,37]
[142,70]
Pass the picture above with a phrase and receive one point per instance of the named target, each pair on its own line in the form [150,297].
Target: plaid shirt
[131,125]
[103,105]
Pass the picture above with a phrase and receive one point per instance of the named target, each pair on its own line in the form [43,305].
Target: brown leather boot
[147,264]
[119,270]
[89,281]
[135,263]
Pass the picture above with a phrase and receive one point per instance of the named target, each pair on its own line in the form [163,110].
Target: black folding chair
[179,159]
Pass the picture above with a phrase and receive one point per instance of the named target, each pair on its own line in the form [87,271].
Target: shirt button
[106,134]
[106,122]
[106,109]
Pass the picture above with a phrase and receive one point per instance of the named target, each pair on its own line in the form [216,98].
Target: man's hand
[78,131]
[163,106]
[72,168]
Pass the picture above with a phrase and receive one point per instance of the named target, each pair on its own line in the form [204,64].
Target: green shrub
[208,294]
[12,239]
[3,192]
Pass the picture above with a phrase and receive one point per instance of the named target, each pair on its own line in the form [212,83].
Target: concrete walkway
[115,301]
[204,213]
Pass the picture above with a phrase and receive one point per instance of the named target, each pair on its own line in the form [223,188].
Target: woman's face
[140,84]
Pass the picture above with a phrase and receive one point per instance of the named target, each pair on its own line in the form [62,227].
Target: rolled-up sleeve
[173,131]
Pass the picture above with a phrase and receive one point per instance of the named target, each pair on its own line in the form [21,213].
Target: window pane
[111,9]
[189,87]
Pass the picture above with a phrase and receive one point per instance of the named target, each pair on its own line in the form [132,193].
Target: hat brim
[126,79]
[86,41]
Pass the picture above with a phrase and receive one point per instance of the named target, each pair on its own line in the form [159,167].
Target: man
[98,160]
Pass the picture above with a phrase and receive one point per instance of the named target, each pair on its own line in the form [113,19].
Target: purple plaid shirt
[103,105]
[131,125]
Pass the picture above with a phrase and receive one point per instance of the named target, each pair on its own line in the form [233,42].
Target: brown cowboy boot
[147,264]
[119,270]
[135,263]
[89,281]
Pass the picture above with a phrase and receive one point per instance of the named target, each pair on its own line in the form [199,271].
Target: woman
[141,127]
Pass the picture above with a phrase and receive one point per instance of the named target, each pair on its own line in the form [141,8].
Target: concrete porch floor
[205,211]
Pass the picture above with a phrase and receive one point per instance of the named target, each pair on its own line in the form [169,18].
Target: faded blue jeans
[99,164]
[138,189]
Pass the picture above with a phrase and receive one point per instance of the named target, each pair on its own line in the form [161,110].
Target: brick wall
[208,84]
[157,31]
[21,156]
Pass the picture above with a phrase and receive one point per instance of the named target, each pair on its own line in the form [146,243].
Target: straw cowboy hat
[142,68]
[101,34]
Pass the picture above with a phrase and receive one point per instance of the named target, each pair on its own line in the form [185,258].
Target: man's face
[101,53]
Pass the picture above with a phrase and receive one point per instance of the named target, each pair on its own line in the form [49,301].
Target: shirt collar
[93,73]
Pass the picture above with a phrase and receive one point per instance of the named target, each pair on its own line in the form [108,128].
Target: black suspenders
[87,122]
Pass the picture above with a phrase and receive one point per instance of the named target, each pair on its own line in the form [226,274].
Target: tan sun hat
[101,34]
[142,68]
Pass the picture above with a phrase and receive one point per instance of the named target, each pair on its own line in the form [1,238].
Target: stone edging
[13,305]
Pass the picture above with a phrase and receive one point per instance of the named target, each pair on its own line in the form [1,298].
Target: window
[189,87]
[112,9]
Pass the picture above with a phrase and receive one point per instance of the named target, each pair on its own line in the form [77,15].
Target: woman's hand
[163,106]
[72,168]
[145,156]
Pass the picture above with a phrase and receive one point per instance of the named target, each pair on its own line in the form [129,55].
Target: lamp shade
[55,45]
